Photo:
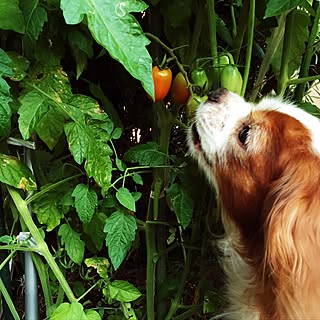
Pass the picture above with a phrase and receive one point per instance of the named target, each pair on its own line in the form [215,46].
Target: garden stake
[31,283]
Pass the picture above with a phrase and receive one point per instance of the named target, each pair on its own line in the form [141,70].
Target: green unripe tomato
[193,104]
[231,79]
[199,78]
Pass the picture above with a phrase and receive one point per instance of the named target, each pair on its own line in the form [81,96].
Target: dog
[264,162]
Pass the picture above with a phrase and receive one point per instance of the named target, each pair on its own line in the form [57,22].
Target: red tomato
[162,80]
[179,90]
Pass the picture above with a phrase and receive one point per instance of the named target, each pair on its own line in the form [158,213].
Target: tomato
[193,104]
[162,80]
[179,90]
[231,78]
[199,78]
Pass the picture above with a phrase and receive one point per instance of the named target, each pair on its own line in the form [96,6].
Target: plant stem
[303,80]
[249,46]
[22,207]
[283,77]
[39,194]
[174,57]
[305,66]
[276,37]
[213,39]
[8,300]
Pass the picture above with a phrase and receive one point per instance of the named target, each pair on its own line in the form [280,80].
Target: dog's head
[264,162]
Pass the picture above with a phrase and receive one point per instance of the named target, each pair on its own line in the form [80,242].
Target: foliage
[116,203]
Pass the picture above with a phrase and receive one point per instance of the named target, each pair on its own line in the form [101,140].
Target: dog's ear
[292,240]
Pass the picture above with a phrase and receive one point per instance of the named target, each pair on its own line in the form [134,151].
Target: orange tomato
[162,80]
[179,90]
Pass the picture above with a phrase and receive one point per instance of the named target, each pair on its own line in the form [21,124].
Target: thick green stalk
[276,37]
[212,21]
[22,207]
[196,34]
[284,77]
[238,40]
[305,66]
[249,46]
[8,300]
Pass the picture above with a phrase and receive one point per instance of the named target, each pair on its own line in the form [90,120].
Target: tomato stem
[213,38]
[283,77]
[249,46]
[304,70]
[172,54]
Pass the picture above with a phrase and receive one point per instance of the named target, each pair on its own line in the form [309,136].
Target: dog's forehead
[311,123]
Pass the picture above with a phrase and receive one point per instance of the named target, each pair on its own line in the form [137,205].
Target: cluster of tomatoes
[228,75]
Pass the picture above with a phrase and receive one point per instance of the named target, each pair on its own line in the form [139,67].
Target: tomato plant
[179,90]
[162,79]
[112,194]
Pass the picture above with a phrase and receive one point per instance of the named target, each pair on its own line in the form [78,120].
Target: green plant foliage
[121,230]
[14,173]
[277,7]
[11,16]
[123,291]
[74,311]
[112,26]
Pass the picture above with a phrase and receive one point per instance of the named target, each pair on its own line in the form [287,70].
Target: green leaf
[277,7]
[116,134]
[92,315]
[50,127]
[123,291]
[113,27]
[121,230]
[147,154]
[86,202]
[70,311]
[33,107]
[101,264]
[5,98]
[126,199]
[73,244]
[137,179]
[11,17]
[94,229]
[182,204]
[49,208]
[171,8]
[6,239]
[128,311]
[19,66]
[16,174]
[35,17]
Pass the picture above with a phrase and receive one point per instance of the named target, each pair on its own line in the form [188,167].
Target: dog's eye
[243,134]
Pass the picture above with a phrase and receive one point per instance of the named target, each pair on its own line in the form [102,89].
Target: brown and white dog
[264,162]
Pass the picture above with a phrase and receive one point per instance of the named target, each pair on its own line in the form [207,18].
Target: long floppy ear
[292,241]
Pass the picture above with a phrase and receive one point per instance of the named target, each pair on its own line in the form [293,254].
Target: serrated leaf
[126,199]
[16,174]
[94,229]
[35,17]
[11,17]
[50,127]
[33,107]
[128,311]
[49,209]
[19,66]
[85,202]
[123,291]
[147,154]
[182,204]
[113,27]
[101,264]
[73,244]
[277,7]
[70,311]
[5,115]
[121,230]
[137,179]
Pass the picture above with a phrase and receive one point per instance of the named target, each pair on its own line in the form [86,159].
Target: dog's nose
[216,95]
